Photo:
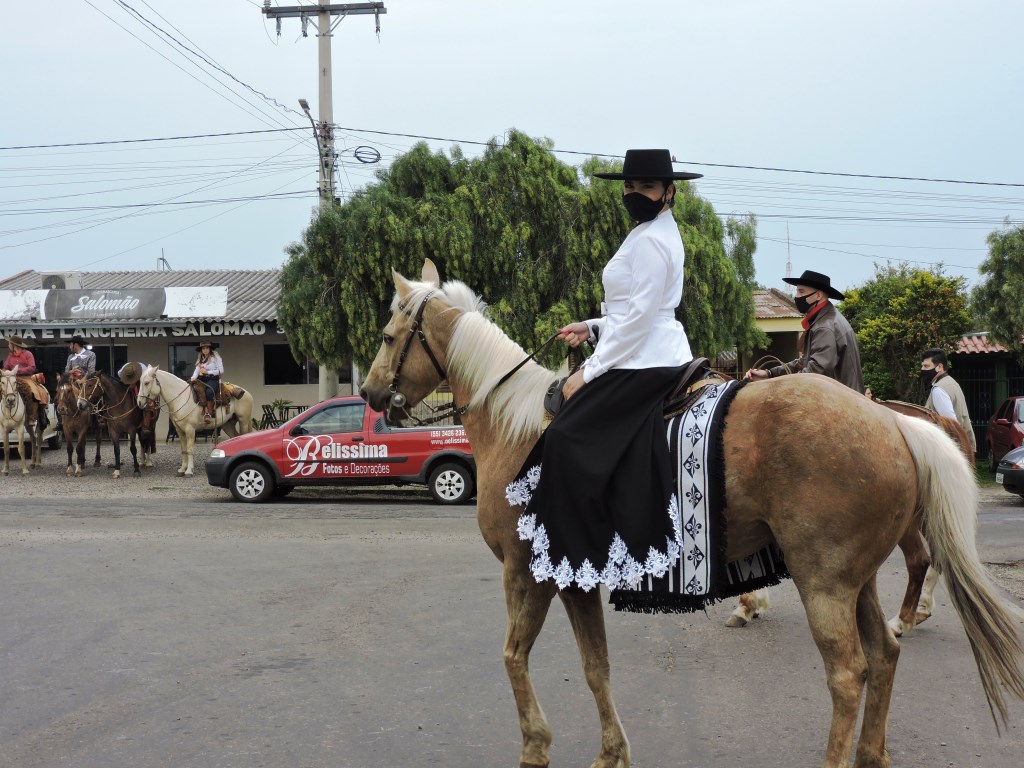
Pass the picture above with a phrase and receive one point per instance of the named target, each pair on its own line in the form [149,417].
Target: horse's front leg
[117,454]
[527,603]
[21,450]
[916,555]
[7,452]
[80,452]
[99,441]
[135,456]
[190,439]
[586,614]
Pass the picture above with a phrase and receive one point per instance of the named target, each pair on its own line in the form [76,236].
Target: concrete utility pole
[324,130]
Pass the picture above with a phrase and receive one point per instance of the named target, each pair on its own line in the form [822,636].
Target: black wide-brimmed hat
[205,343]
[648,164]
[76,339]
[815,280]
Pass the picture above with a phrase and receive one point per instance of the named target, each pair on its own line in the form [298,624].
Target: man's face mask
[926,375]
[803,305]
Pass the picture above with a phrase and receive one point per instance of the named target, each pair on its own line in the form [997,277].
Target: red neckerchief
[806,322]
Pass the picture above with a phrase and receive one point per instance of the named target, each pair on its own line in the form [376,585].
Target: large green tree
[899,314]
[998,300]
[529,233]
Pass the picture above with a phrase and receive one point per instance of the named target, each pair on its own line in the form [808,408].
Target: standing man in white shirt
[945,396]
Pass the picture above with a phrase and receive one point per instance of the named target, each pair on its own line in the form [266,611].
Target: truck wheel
[251,481]
[451,483]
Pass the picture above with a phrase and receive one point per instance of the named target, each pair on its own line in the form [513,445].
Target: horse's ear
[155,368]
[401,284]
[429,274]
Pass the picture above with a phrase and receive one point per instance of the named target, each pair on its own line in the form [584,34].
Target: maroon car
[1005,429]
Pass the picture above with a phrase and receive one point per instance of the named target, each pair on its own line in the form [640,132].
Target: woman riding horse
[609,437]
[836,531]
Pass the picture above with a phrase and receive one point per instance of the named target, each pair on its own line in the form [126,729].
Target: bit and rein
[100,407]
[398,400]
[154,402]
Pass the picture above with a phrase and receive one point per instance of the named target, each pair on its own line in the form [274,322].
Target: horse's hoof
[922,617]
[736,621]
[79,473]
[188,474]
[137,473]
[117,473]
[70,472]
[180,473]
[24,471]
[898,627]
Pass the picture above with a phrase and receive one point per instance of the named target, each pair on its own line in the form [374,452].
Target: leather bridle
[398,400]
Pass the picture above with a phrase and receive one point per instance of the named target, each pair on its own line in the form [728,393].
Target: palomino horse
[235,418]
[12,419]
[922,577]
[836,508]
[76,415]
[115,402]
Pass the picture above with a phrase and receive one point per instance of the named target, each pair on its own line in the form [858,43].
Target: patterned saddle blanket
[701,576]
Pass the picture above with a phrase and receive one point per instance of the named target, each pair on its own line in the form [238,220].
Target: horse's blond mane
[480,353]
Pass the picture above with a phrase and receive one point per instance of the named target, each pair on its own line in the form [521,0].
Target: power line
[200,54]
[556,151]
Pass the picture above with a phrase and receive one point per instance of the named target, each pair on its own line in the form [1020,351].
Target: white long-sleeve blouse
[643,285]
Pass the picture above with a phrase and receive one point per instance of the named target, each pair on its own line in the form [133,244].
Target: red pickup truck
[342,441]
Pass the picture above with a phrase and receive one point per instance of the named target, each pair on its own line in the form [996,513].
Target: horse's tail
[948,499]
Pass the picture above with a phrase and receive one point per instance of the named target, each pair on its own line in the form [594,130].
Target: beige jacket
[948,385]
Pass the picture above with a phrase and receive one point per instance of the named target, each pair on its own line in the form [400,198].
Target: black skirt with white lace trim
[598,491]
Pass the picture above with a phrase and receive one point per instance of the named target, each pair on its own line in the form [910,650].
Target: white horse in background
[235,418]
[12,418]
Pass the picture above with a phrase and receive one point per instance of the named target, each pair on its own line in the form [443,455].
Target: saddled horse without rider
[13,415]
[233,414]
[905,467]
[121,414]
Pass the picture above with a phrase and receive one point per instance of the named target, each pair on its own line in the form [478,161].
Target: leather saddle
[678,400]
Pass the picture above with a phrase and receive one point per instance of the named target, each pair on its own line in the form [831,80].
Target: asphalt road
[365,630]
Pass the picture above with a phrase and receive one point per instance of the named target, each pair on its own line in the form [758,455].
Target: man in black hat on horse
[828,345]
[80,359]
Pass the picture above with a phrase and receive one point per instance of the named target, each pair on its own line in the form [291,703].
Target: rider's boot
[208,412]
[31,413]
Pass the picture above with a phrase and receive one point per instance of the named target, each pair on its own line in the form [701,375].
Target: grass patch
[984,474]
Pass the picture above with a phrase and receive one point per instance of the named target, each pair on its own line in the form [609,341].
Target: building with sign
[158,318]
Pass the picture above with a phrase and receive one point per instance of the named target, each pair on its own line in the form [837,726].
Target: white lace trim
[621,570]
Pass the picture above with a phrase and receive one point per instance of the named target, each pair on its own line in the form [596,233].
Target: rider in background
[81,361]
[24,361]
[828,345]
[209,368]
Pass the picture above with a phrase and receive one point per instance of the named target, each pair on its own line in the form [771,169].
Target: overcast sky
[914,88]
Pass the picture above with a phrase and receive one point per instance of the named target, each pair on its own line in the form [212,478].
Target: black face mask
[803,306]
[927,376]
[641,208]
